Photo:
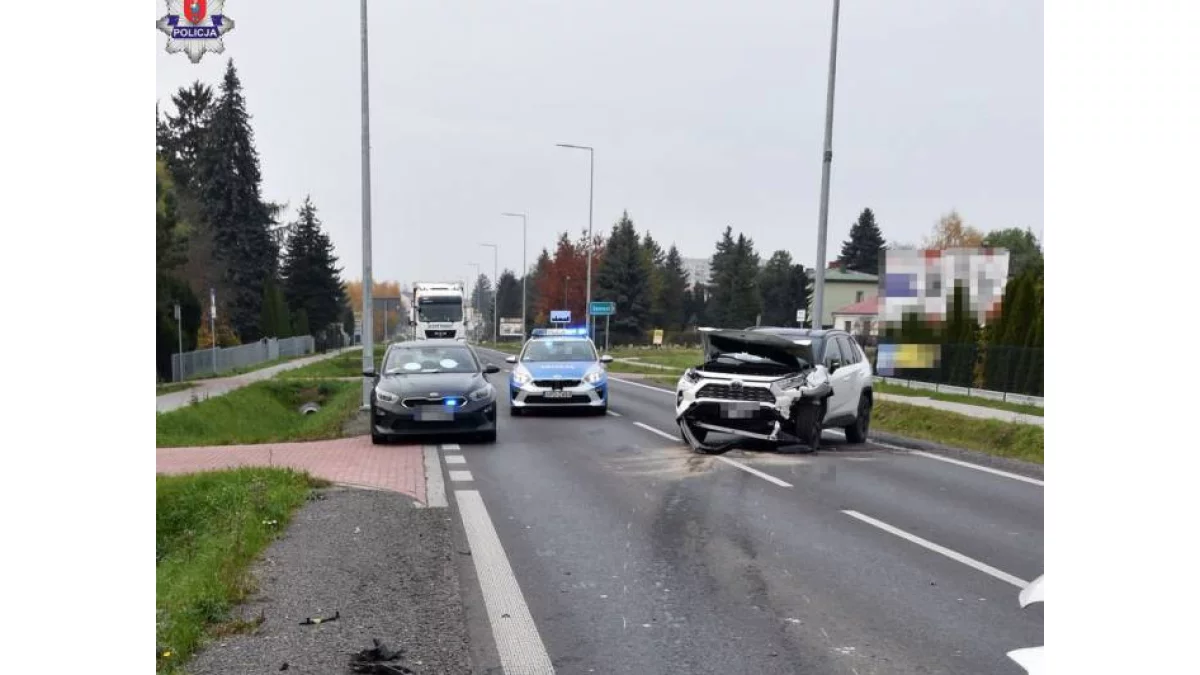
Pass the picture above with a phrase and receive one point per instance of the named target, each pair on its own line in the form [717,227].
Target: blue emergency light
[548,332]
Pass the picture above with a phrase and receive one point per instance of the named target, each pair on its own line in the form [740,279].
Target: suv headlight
[817,377]
[594,376]
[483,392]
[386,396]
[521,376]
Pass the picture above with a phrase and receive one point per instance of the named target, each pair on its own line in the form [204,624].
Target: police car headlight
[386,396]
[521,376]
[594,376]
[483,392]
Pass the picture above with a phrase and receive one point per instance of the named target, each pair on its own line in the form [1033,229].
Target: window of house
[858,296]
[846,326]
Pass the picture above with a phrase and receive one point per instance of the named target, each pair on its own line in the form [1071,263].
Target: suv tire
[857,432]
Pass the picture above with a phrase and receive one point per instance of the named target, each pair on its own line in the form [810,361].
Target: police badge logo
[195,27]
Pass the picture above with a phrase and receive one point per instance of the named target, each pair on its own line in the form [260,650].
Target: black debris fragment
[373,660]
[312,621]
[284,666]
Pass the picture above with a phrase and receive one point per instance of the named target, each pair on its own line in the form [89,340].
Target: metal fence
[994,368]
[200,363]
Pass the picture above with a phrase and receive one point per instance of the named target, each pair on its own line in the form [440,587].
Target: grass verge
[210,527]
[263,412]
[171,387]
[1003,439]
[1034,410]
[674,357]
[348,364]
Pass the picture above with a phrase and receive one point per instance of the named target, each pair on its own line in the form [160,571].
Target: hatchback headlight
[594,376]
[483,392]
[521,376]
[386,396]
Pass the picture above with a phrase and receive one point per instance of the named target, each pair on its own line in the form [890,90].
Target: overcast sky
[703,114]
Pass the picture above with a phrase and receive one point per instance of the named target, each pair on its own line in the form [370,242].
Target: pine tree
[862,251]
[508,295]
[311,278]
[181,137]
[672,293]
[229,184]
[778,289]
[744,302]
[653,259]
[720,280]
[300,323]
[624,279]
[269,323]
[537,302]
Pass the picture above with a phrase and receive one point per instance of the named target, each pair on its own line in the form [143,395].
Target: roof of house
[868,306]
[836,274]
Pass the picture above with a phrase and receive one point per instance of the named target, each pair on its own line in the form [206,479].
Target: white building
[697,269]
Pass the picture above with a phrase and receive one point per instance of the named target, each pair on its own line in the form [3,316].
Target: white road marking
[461,476]
[978,467]
[456,459]
[937,548]
[518,643]
[749,469]
[959,462]
[451,446]
[614,414]
[435,486]
[652,430]
[643,386]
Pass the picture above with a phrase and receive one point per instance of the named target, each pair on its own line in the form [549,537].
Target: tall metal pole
[212,325]
[826,161]
[179,332]
[524,266]
[590,252]
[475,298]
[368,337]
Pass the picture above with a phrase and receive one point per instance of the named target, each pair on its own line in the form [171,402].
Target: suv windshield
[559,350]
[448,359]
[440,309]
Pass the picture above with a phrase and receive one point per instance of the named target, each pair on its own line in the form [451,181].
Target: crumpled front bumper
[765,420]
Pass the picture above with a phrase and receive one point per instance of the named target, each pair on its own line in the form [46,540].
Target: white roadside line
[664,434]
[451,446]
[435,486]
[979,467]
[732,462]
[936,548]
[455,459]
[614,413]
[517,640]
[461,477]
[749,469]
[643,386]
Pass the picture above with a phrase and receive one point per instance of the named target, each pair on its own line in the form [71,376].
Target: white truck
[437,310]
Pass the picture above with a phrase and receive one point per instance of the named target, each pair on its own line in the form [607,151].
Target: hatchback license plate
[557,394]
[434,416]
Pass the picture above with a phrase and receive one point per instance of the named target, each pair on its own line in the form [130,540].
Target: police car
[558,368]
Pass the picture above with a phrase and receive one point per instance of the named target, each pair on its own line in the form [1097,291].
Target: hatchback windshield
[559,350]
[440,309]
[448,359]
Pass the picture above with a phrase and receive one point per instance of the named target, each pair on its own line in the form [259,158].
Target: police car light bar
[546,332]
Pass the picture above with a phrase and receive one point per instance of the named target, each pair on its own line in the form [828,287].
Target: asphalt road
[635,555]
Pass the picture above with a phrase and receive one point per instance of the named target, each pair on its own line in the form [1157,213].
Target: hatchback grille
[419,402]
[728,393]
[556,384]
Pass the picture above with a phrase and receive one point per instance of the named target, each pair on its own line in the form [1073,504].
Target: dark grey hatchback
[432,387]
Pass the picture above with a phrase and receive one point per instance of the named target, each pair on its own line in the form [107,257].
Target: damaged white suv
[781,385]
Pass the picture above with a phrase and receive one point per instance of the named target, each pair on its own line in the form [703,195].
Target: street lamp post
[590,253]
[524,266]
[826,161]
[475,298]
[495,291]
[368,358]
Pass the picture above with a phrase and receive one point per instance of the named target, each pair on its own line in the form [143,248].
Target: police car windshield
[559,350]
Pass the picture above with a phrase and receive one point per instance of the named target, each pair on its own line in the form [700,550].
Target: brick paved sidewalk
[350,461]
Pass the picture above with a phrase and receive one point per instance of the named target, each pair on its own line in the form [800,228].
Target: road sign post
[606,310]
[606,318]
[560,316]
[800,314]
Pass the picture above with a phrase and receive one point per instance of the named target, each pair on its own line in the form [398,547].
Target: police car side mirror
[510,359]
[606,359]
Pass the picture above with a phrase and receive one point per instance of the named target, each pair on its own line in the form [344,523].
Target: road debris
[312,621]
[374,660]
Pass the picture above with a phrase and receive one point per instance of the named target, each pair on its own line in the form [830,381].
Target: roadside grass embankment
[885,388]
[994,437]
[210,527]
[172,387]
[263,412]
[347,364]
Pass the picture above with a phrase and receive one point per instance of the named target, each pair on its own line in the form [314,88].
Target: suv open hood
[796,353]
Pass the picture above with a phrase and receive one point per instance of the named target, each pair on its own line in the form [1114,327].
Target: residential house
[842,288]
[860,318]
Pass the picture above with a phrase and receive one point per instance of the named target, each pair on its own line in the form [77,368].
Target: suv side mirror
[510,359]
[491,368]
[606,359]
[834,364]
[371,374]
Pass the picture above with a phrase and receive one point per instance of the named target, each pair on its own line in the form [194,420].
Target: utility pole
[179,332]
[590,242]
[826,161]
[212,325]
[368,332]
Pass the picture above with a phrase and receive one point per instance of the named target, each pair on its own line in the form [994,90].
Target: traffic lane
[990,518]
[640,556]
